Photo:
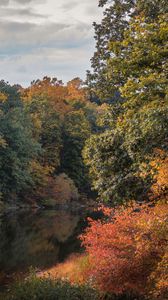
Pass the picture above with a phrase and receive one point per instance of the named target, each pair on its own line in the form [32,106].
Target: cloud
[22,2]
[63,64]
[4,2]
[52,49]
[69,6]
[22,38]
[26,2]
[46,37]
[19,12]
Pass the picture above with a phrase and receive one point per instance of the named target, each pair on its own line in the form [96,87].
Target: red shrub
[125,250]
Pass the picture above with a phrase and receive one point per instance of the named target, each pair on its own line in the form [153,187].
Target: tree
[45,103]
[119,158]
[76,129]
[48,90]
[18,146]
[112,27]
[76,91]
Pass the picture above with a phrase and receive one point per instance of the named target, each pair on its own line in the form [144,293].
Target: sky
[46,37]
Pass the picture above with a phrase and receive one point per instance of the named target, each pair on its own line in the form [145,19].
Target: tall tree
[112,27]
[120,158]
[45,102]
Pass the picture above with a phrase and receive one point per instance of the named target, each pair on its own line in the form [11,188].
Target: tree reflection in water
[39,239]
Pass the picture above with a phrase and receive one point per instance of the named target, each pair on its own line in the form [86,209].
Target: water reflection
[39,239]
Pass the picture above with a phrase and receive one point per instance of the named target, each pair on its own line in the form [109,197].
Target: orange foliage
[73,269]
[52,90]
[160,187]
[76,91]
[59,96]
[159,280]
[125,250]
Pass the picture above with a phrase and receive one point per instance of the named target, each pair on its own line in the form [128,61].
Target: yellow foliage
[160,187]
[159,279]
[40,173]
[3,97]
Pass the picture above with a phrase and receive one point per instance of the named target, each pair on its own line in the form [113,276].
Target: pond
[39,239]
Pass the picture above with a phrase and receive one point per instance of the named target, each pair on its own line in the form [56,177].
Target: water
[39,239]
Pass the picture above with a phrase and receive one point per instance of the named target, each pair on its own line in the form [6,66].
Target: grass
[73,270]
[34,288]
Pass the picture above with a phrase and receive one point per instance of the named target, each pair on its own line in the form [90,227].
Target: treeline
[111,133]
[43,129]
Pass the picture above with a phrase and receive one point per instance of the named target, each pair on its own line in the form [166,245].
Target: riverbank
[39,237]
[48,206]
[72,269]
[82,203]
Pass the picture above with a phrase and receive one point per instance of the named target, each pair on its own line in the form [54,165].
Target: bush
[46,289]
[127,250]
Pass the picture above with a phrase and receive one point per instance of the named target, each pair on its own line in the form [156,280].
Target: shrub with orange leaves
[125,250]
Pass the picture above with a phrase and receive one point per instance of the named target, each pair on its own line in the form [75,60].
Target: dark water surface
[38,238]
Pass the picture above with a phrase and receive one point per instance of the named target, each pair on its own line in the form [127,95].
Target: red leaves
[125,250]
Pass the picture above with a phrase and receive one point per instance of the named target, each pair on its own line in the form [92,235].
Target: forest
[101,142]
[43,131]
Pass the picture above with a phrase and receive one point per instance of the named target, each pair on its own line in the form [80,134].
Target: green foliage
[12,93]
[42,134]
[76,129]
[111,29]
[51,140]
[119,158]
[47,289]
[47,125]
[111,168]
[18,146]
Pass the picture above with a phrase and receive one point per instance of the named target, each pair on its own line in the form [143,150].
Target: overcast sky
[46,37]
